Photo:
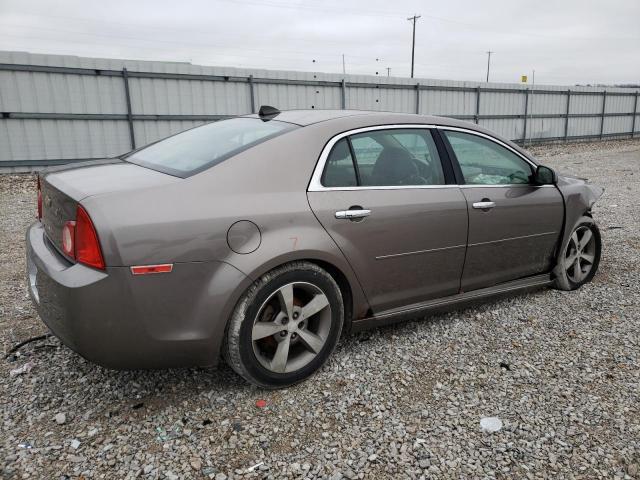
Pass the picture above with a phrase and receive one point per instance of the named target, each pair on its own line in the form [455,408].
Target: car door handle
[484,205]
[350,214]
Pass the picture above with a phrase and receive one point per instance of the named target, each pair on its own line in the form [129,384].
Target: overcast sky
[565,41]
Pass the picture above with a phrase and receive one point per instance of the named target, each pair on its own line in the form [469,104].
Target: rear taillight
[39,200]
[80,240]
[86,241]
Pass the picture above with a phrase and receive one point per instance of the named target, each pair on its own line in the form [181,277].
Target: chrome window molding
[315,185]
[380,187]
[502,185]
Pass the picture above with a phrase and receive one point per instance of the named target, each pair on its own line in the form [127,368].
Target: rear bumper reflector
[147,269]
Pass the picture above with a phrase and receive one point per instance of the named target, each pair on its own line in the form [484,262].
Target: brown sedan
[262,238]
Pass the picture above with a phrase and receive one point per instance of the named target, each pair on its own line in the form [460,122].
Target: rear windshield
[197,149]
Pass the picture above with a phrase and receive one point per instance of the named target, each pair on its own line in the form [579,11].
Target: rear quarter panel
[188,220]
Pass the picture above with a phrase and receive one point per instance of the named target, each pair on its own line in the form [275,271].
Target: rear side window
[197,149]
[484,162]
[340,170]
[394,157]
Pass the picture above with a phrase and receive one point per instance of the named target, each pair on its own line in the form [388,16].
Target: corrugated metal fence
[57,109]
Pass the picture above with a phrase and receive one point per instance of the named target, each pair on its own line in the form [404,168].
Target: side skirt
[409,312]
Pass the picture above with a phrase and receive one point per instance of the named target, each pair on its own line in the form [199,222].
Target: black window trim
[448,161]
[356,167]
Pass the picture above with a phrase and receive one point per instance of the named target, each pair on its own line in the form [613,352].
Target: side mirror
[544,176]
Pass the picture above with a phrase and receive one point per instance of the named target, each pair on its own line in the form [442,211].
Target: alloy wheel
[291,327]
[580,254]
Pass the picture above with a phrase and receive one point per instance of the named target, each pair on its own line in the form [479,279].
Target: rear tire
[579,258]
[285,326]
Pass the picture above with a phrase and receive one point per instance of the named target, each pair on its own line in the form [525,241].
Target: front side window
[394,157]
[199,148]
[484,162]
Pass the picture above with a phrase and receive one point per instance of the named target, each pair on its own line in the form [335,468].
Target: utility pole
[344,70]
[388,71]
[413,45]
[533,84]
[489,63]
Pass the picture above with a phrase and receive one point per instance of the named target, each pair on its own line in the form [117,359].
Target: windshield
[197,149]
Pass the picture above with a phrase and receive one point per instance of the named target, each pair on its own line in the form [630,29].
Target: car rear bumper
[122,321]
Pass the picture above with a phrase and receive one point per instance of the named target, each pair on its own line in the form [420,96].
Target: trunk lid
[57,208]
[64,187]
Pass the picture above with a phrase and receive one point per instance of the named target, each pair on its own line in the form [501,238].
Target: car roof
[351,119]
[311,116]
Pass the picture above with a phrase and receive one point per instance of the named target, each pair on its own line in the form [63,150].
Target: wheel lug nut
[285,320]
[283,333]
[295,315]
[301,324]
[294,335]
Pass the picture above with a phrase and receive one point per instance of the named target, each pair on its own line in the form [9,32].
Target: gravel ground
[560,370]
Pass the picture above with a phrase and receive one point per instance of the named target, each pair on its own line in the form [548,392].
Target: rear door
[514,226]
[395,212]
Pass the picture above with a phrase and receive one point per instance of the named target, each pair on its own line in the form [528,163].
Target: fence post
[127,94]
[635,114]
[566,117]
[604,106]
[526,111]
[252,95]
[477,115]
[418,98]
[343,86]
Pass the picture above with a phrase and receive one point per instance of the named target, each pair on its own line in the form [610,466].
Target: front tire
[579,259]
[285,326]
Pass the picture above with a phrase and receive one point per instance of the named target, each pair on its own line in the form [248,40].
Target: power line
[332,8]
[223,59]
[413,44]
[199,45]
[343,11]
[162,32]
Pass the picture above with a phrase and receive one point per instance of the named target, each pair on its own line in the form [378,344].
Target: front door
[384,199]
[514,226]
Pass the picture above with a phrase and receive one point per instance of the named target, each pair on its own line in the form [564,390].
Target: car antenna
[267,112]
